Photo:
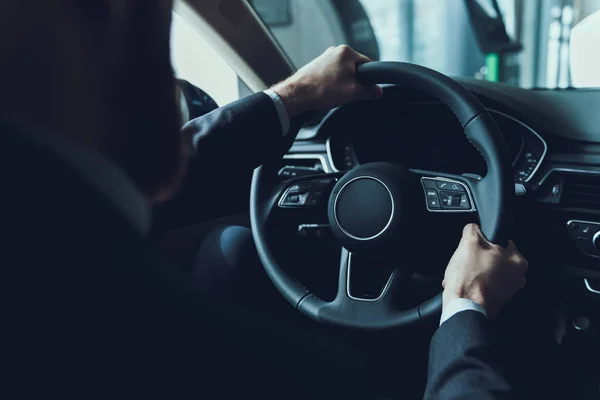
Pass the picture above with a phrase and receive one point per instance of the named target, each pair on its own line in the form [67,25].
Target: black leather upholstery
[494,194]
[462,103]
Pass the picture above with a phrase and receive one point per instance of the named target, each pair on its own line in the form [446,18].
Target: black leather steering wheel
[371,209]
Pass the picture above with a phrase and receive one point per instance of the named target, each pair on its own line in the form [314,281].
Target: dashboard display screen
[423,137]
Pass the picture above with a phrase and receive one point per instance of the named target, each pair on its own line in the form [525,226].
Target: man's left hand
[327,82]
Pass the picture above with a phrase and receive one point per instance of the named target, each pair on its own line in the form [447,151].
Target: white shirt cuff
[284,117]
[459,305]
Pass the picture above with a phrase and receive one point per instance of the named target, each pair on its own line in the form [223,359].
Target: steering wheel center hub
[364,208]
[371,207]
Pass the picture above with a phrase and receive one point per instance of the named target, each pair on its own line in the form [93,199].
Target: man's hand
[483,272]
[327,82]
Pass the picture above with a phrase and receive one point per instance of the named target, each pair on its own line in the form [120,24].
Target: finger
[512,246]
[470,230]
[519,262]
[362,59]
[348,53]
[477,232]
[471,233]
[371,92]
[522,263]
[525,264]
[483,241]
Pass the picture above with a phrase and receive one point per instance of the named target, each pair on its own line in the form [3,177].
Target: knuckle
[471,226]
[496,249]
[497,253]
[469,230]
[524,264]
[189,128]
[469,237]
[344,50]
[471,242]
[520,263]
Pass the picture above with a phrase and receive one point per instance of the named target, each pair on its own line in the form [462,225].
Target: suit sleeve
[247,133]
[464,360]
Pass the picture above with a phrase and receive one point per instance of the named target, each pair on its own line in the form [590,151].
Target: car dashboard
[555,150]
[427,136]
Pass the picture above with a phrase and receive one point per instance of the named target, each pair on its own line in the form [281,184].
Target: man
[89,139]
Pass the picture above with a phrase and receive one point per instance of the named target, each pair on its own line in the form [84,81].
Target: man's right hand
[484,272]
[327,82]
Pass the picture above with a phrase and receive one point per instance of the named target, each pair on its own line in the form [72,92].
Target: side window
[197,62]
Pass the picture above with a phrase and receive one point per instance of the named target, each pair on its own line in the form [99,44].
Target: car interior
[528,169]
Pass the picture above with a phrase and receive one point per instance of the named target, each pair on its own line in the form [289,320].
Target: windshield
[529,43]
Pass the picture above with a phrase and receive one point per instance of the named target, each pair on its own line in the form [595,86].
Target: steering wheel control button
[586,235]
[454,196]
[446,199]
[297,172]
[364,208]
[443,185]
[433,201]
[314,231]
[455,201]
[306,194]
[447,186]
[295,199]
[464,202]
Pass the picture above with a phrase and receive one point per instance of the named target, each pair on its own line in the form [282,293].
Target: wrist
[296,96]
[473,295]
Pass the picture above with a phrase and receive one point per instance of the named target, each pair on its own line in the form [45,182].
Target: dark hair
[140,86]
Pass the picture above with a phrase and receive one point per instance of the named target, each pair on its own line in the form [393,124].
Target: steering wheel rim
[492,194]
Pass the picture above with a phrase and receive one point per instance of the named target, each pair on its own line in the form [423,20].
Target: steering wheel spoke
[366,279]
[375,309]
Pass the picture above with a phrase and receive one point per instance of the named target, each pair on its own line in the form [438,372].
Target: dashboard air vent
[581,191]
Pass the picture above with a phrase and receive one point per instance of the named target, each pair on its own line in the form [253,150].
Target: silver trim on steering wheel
[383,291]
[391,214]
[587,285]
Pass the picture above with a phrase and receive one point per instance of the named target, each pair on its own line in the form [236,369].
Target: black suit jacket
[242,135]
[90,310]
[464,360]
